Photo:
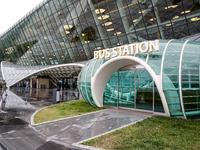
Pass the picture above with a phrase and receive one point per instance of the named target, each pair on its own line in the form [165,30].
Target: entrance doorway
[133,87]
[34,83]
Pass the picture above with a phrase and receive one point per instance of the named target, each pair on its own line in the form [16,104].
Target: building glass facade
[65,31]
[176,63]
[69,31]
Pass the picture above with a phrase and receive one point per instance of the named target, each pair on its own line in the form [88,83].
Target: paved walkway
[16,132]
[17,107]
[80,128]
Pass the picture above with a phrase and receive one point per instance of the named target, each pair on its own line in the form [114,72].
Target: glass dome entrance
[132,87]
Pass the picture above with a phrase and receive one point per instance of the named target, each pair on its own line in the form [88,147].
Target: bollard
[54,96]
[57,96]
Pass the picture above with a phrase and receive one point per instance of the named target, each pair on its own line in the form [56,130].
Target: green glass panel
[126,89]
[190,80]
[84,94]
[142,56]
[155,58]
[158,106]
[90,94]
[190,92]
[111,91]
[144,89]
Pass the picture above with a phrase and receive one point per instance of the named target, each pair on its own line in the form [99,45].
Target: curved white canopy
[106,70]
[13,73]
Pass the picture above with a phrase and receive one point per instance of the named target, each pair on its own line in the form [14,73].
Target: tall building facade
[60,37]
[67,31]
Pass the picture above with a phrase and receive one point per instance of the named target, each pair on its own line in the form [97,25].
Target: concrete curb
[78,144]
[33,123]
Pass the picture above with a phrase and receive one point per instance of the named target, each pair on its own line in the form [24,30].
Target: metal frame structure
[13,73]
[171,96]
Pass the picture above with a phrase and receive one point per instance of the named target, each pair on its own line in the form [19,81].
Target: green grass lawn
[152,133]
[63,110]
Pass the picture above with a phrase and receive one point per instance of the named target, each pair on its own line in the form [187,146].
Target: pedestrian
[4,88]
[27,87]
[3,95]
[58,86]
[26,97]
[3,101]
[27,91]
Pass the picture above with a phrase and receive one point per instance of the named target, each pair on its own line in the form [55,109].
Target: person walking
[4,88]
[27,87]
[27,91]
[3,95]
[26,97]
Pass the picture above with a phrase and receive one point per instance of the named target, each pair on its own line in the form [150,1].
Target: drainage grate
[2,147]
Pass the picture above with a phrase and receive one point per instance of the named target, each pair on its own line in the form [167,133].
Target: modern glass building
[164,81]
[60,37]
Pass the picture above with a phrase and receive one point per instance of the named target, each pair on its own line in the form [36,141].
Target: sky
[13,10]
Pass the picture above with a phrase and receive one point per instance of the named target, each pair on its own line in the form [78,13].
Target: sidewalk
[79,128]
[17,133]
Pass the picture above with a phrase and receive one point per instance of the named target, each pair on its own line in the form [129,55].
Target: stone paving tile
[14,101]
[88,134]
[21,144]
[70,140]
[7,144]
[51,145]
[17,107]
[87,126]
[15,133]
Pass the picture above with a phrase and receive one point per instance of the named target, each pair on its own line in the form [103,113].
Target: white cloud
[13,10]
